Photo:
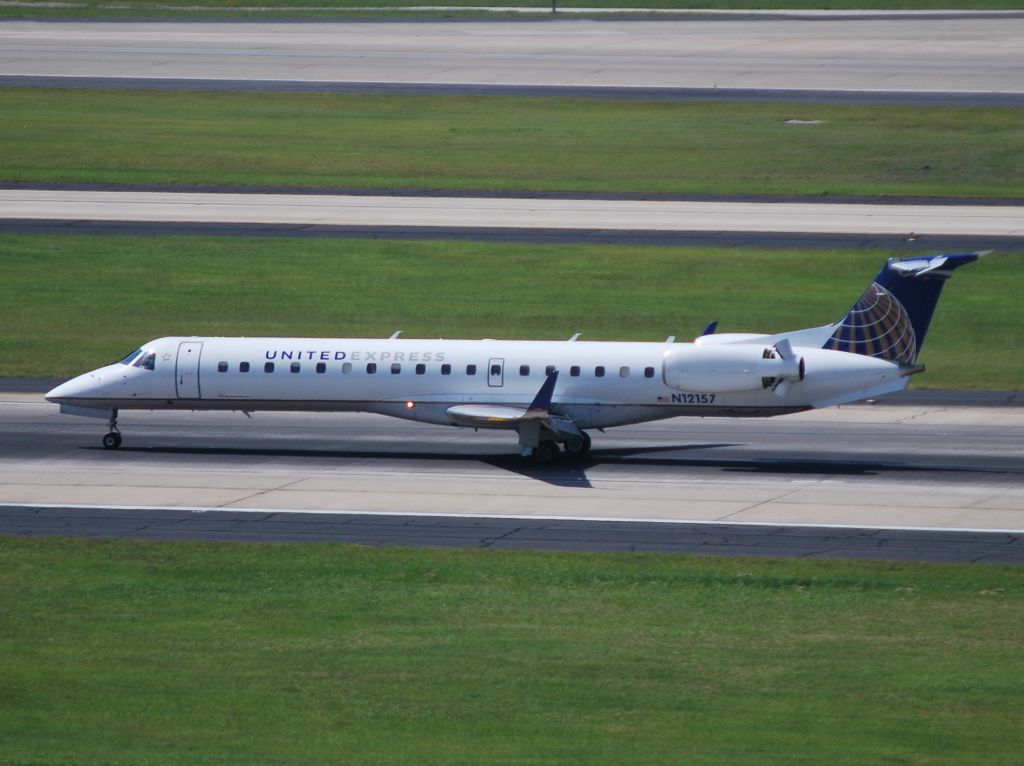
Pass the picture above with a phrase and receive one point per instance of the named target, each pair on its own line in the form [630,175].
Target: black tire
[112,440]
[577,446]
[545,453]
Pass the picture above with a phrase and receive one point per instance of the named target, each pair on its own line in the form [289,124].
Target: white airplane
[549,392]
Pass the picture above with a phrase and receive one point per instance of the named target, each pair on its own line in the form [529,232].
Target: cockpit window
[128,359]
[146,361]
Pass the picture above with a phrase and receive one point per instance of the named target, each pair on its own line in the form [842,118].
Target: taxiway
[67,209]
[926,55]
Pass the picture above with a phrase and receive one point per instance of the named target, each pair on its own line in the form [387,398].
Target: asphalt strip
[511,517]
[608,92]
[545,533]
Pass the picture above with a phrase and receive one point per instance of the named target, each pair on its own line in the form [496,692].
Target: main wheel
[112,440]
[577,446]
[545,453]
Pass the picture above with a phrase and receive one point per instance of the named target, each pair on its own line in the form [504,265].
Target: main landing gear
[576,448]
[112,440]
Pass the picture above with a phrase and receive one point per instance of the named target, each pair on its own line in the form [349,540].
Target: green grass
[515,144]
[70,303]
[144,653]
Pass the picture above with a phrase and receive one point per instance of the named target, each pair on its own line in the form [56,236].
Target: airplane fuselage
[600,384]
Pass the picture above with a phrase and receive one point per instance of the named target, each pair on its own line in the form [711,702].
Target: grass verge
[514,144]
[70,303]
[187,653]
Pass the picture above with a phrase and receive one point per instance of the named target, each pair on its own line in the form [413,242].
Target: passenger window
[396,368]
[222,366]
[599,371]
[623,372]
[524,369]
[648,372]
[321,367]
[575,371]
[495,369]
[446,369]
[371,368]
[549,369]
[471,369]
[296,366]
[420,369]
[346,368]
[243,367]
[268,367]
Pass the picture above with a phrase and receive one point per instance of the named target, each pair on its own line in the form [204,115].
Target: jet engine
[730,368]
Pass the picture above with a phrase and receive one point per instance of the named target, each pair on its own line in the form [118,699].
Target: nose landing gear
[112,440]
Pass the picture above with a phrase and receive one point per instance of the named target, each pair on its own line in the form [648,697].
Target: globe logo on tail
[877,326]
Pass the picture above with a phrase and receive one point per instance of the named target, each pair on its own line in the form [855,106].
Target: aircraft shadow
[564,473]
[573,473]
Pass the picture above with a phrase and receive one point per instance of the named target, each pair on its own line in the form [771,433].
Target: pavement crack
[923,413]
[758,504]
[487,542]
[260,493]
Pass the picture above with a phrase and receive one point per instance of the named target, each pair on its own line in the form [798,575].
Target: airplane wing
[513,417]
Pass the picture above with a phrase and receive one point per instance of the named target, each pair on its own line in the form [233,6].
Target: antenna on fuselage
[576,336]
[395,334]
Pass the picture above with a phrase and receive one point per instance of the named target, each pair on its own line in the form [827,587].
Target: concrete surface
[891,466]
[879,54]
[511,213]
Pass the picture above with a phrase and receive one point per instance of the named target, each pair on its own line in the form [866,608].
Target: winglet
[542,401]
[709,330]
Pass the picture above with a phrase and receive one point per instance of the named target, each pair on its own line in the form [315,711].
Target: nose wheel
[112,440]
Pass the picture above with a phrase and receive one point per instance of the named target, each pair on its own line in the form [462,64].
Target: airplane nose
[76,388]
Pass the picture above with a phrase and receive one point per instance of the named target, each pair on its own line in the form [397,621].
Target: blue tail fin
[891,318]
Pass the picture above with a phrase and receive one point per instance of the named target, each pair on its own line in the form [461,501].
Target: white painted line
[704,522]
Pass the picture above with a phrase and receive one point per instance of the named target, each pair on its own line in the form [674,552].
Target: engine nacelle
[731,368]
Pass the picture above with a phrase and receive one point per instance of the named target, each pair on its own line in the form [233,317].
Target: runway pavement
[916,467]
[882,55]
[67,209]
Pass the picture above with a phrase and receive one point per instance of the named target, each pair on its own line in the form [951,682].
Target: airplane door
[496,373]
[187,370]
